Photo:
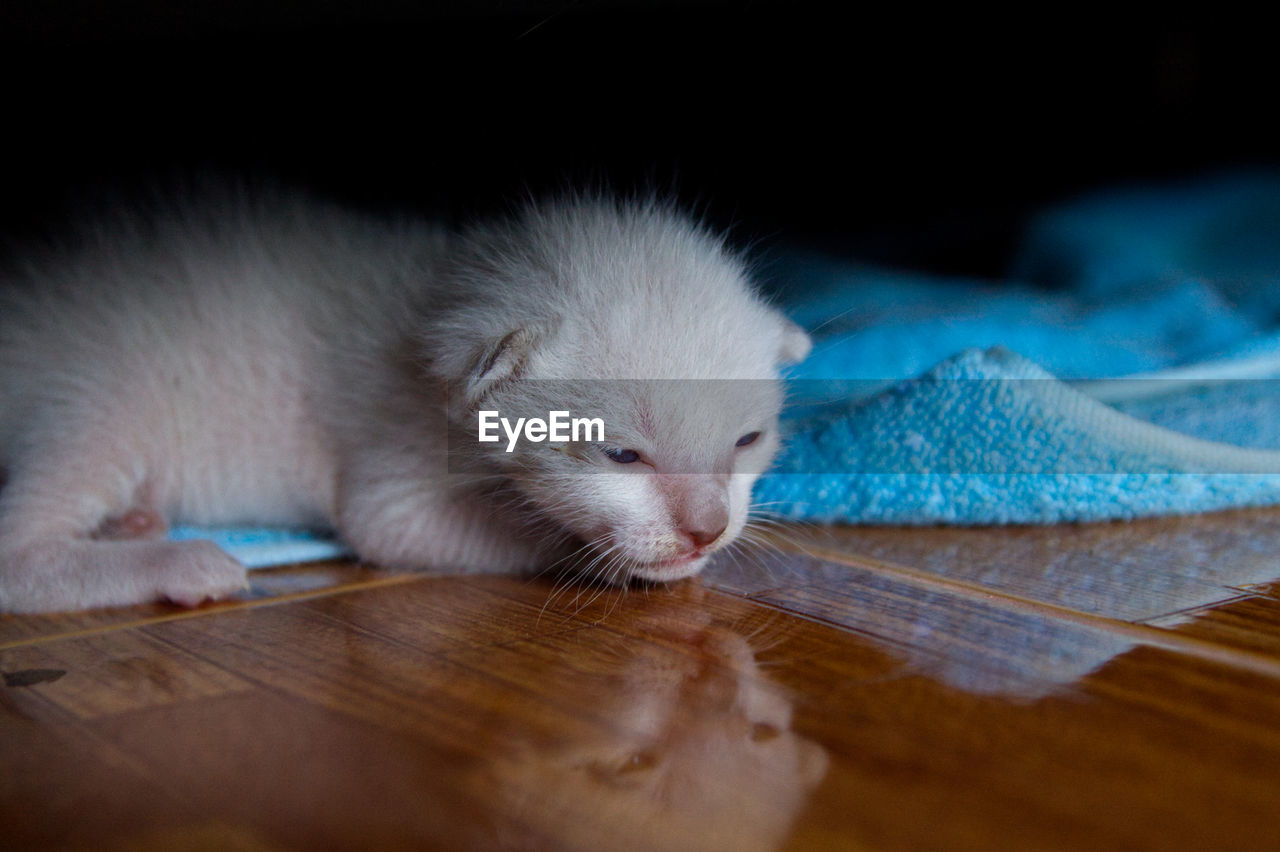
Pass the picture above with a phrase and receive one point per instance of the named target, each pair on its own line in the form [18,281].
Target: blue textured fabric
[949,425]
[263,547]
[988,437]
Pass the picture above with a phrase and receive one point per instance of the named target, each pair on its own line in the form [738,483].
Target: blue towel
[937,400]
[264,547]
[977,404]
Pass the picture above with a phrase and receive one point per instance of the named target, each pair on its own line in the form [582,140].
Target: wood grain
[1131,571]
[851,689]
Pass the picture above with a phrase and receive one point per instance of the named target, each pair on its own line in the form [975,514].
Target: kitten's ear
[795,343]
[502,361]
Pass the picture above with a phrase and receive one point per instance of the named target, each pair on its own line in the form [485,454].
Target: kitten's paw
[199,571]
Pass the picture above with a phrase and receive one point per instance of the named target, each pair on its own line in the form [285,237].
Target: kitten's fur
[279,360]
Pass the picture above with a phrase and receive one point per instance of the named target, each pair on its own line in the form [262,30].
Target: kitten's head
[634,316]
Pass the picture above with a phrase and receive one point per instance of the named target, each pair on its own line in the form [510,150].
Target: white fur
[279,360]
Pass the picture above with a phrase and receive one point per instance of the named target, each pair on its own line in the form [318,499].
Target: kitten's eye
[749,438]
[623,456]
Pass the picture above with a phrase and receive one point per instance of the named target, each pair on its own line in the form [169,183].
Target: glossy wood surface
[1078,687]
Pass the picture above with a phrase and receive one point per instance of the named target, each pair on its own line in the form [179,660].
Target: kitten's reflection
[688,745]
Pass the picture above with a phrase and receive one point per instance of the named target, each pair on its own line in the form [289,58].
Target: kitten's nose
[702,538]
[700,508]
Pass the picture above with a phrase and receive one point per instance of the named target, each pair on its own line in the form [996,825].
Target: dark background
[917,141]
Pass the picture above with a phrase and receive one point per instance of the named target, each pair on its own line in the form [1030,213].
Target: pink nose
[701,538]
[699,507]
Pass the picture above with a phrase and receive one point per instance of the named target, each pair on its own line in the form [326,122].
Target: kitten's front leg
[73,536]
[412,522]
[69,574]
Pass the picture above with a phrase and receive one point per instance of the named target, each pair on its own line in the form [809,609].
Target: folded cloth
[263,547]
[988,437]
[1145,379]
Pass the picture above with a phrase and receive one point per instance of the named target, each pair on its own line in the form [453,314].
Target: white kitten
[283,361]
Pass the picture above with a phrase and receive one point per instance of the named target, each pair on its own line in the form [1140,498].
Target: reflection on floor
[1069,687]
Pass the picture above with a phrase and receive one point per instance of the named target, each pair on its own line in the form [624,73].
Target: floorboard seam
[239,606]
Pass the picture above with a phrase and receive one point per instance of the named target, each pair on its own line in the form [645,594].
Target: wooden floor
[1090,687]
